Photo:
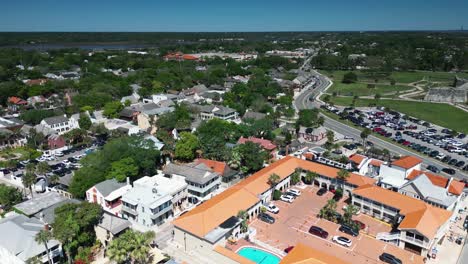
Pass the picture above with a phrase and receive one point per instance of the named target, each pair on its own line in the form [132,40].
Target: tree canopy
[99,164]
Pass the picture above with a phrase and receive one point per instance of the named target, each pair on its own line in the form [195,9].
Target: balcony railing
[129,210]
[388,236]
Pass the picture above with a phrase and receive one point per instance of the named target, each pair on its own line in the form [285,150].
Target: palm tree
[310,177]
[386,154]
[141,246]
[274,179]
[243,215]
[42,168]
[364,134]
[342,175]
[43,237]
[118,251]
[29,179]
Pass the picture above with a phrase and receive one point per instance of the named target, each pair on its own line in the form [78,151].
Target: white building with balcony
[61,124]
[418,225]
[108,194]
[201,181]
[147,205]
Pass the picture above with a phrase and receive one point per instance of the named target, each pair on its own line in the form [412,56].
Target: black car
[370,144]
[434,154]
[452,162]
[315,230]
[446,159]
[449,171]
[433,168]
[321,191]
[460,164]
[349,230]
[389,258]
[266,218]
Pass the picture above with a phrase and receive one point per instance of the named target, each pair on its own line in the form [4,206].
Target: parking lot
[436,142]
[63,166]
[293,221]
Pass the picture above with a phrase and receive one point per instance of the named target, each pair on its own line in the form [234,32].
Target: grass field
[441,114]
[399,77]
[361,89]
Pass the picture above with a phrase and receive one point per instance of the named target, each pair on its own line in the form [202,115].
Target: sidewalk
[449,251]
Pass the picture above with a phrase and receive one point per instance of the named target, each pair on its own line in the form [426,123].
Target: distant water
[83,46]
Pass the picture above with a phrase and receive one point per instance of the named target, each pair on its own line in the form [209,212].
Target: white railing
[388,236]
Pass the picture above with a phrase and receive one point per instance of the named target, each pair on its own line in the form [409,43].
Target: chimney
[128,181]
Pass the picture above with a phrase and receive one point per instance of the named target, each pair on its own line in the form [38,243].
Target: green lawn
[399,77]
[361,89]
[441,114]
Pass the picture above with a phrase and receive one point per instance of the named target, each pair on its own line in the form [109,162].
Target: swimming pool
[258,256]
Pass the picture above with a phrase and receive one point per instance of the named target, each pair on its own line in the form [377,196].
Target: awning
[157,255]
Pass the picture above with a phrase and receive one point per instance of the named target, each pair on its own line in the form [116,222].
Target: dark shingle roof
[55,120]
[108,186]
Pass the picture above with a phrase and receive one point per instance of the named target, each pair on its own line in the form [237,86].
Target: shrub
[276,195]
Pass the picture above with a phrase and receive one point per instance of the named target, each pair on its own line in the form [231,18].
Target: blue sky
[234,15]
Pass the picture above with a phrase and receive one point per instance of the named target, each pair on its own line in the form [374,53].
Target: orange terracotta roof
[36,82]
[420,216]
[189,57]
[456,187]
[407,162]
[306,255]
[232,255]
[357,158]
[210,214]
[376,163]
[16,100]
[216,166]
[265,143]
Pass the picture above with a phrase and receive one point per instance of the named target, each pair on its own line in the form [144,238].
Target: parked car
[272,208]
[433,168]
[460,164]
[287,198]
[315,230]
[294,192]
[59,154]
[321,191]
[348,230]
[344,241]
[389,258]
[449,171]
[266,218]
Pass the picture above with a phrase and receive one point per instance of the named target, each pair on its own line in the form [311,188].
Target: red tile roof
[245,194]
[357,158]
[36,82]
[302,254]
[407,162]
[216,166]
[376,162]
[419,215]
[456,187]
[17,100]
[265,143]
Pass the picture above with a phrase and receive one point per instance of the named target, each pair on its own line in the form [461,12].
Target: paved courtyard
[294,220]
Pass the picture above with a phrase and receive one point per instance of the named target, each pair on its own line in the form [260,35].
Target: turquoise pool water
[258,256]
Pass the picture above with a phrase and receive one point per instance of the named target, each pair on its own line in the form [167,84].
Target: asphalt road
[302,101]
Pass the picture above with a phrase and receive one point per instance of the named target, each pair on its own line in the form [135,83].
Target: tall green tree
[74,226]
[43,237]
[274,179]
[252,156]
[186,146]
[122,169]
[9,196]
[29,179]
[112,109]
[131,246]
[84,121]
[365,134]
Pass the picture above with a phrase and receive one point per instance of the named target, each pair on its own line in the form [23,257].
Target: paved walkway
[448,251]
